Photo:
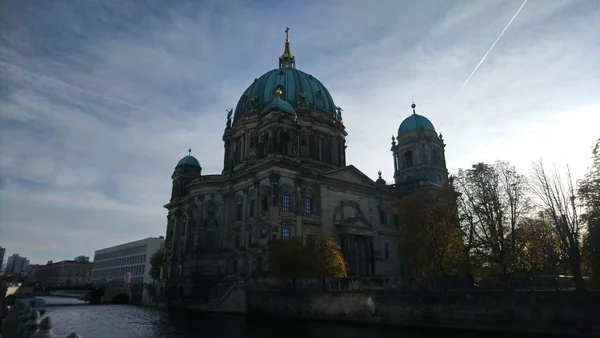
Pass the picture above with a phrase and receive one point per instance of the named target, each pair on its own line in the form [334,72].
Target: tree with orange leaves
[326,258]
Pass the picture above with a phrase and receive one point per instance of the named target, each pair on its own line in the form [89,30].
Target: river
[129,321]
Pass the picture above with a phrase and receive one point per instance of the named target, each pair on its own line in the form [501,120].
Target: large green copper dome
[289,84]
[298,88]
[415,122]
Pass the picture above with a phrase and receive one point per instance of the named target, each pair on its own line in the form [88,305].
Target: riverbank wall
[566,313]
[551,312]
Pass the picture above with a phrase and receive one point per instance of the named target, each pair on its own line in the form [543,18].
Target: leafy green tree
[288,258]
[156,263]
[431,238]
[493,199]
[537,246]
[589,195]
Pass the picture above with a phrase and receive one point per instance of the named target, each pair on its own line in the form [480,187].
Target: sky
[100,99]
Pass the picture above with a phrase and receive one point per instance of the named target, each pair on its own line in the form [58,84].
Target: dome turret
[188,161]
[415,122]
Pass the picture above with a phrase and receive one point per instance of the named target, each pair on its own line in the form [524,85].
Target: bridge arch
[121,298]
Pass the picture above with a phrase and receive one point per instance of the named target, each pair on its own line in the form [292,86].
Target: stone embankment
[24,322]
[566,313]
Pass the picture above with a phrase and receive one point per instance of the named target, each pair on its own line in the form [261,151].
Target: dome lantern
[287,60]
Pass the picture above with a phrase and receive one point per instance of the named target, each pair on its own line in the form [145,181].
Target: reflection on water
[128,321]
[61,300]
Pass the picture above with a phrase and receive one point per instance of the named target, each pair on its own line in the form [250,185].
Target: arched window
[264,199]
[239,208]
[251,206]
[435,157]
[386,251]
[286,198]
[308,203]
[408,159]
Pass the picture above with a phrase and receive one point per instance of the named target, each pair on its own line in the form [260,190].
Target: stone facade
[64,273]
[285,175]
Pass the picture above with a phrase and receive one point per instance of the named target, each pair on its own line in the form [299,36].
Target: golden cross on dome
[190,151]
[287,34]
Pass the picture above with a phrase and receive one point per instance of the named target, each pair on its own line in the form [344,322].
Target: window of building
[387,251]
[435,157]
[308,205]
[250,239]
[238,213]
[408,159]
[251,209]
[236,241]
[285,232]
[265,203]
[285,202]
[274,237]
[321,148]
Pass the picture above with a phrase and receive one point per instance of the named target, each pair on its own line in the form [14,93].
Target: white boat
[35,303]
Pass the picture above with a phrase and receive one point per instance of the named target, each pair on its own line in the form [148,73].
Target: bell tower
[418,153]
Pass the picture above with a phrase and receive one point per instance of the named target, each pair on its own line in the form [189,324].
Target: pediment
[350,174]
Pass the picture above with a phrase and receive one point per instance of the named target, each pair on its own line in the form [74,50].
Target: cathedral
[285,175]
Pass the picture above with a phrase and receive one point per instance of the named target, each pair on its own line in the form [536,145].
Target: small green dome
[279,104]
[297,88]
[188,161]
[415,122]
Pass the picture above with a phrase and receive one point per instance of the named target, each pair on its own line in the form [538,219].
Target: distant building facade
[129,260]
[64,273]
[81,259]
[16,264]
[2,252]
[31,278]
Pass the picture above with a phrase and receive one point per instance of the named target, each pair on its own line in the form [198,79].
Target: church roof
[297,88]
[188,161]
[415,122]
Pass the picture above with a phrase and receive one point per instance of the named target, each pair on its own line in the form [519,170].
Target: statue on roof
[338,113]
[229,113]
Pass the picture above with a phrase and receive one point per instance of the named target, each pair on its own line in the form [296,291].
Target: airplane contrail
[488,52]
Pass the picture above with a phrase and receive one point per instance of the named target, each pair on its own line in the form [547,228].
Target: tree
[326,258]
[156,263]
[288,258]
[537,246]
[431,238]
[589,195]
[558,201]
[291,258]
[492,201]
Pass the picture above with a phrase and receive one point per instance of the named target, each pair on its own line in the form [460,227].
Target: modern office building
[64,273]
[129,260]
[16,264]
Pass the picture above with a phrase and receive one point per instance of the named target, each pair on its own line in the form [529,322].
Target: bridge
[94,293]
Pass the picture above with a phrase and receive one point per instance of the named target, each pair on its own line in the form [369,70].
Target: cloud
[98,101]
